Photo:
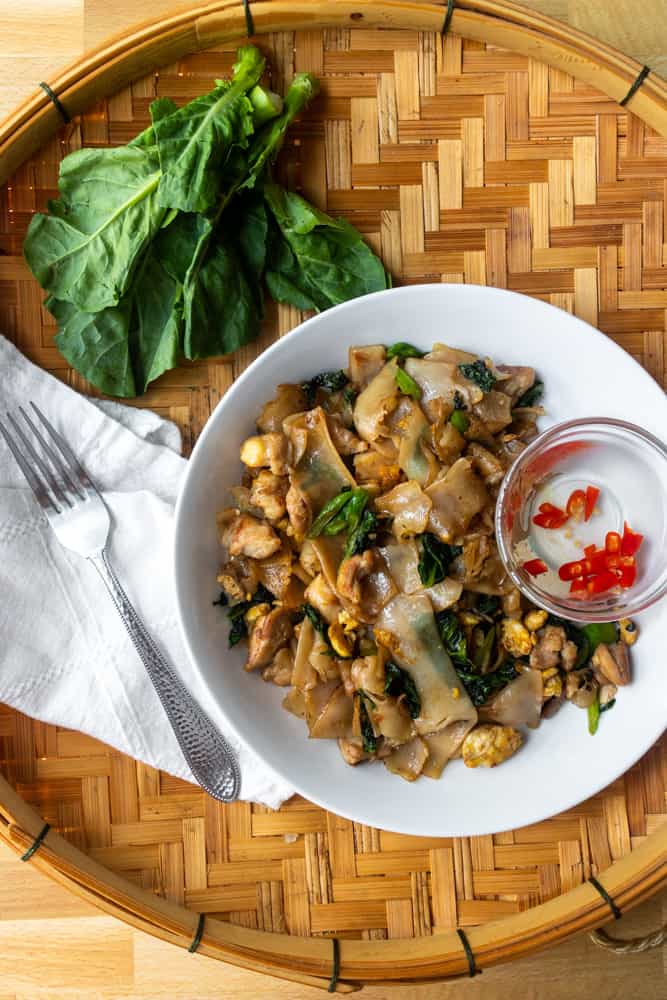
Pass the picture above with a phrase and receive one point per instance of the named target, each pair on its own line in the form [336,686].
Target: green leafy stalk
[195,141]
[265,105]
[86,249]
[329,381]
[479,373]
[399,682]
[531,396]
[435,558]
[407,384]
[214,272]
[402,350]
[360,536]
[594,716]
[600,632]
[368,736]
[329,511]
[459,420]
[236,614]
[453,638]
[315,261]
[484,652]
[481,687]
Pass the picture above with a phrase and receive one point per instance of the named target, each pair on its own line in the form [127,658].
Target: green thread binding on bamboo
[641,76]
[196,941]
[472,964]
[616,910]
[37,843]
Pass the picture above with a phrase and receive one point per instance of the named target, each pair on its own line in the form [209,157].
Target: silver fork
[80,519]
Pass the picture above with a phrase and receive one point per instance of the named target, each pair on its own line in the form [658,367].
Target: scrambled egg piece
[341,643]
[534,620]
[552,685]
[516,638]
[487,745]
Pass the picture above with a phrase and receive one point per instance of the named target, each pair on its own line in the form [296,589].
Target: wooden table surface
[54,946]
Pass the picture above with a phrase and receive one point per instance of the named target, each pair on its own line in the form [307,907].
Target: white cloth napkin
[65,657]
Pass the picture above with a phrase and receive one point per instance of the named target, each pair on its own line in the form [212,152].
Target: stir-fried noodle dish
[361,568]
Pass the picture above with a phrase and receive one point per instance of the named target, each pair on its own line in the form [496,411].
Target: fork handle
[208,754]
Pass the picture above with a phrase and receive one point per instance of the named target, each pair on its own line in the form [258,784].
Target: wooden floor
[53,946]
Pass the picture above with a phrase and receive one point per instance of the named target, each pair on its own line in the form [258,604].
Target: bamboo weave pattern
[459,162]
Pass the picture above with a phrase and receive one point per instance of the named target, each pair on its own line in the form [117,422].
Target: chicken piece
[372,467]
[298,511]
[581,688]
[365,363]
[519,380]
[409,506]
[456,498]
[308,559]
[613,663]
[289,399]
[345,441]
[246,536]
[280,671]
[268,494]
[230,584]
[352,750]
[512,604]
[368,674]
[553,649]
[275,572]
[266,450]
[239,578]
[495,411]
[488,745]
[475,552]
[351,574]
[270,632]
[321,596]
[447,442]
[486,463]
[516,638]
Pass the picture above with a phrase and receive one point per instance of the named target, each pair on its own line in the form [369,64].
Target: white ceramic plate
[585,374]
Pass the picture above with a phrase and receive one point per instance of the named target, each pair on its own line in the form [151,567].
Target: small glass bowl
[629,467]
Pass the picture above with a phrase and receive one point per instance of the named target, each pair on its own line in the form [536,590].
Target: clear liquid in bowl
[632,478]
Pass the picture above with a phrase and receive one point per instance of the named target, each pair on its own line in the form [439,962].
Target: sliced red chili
[601,582]
[592,494]
[631,541]
[627,574]
[598,561]
[572,570]
[612,543]
[535,567]
[576,505]
[589,551]
[578,586]
[552,521]
[550,508]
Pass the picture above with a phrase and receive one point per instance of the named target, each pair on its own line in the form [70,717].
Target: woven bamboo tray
[475,157]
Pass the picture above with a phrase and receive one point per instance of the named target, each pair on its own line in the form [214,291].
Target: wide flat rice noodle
[408,760]
[319,473]
[417,648]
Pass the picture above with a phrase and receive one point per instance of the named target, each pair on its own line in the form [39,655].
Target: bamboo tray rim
[306,959]
[154,43]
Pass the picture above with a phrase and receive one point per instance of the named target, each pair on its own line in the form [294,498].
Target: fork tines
[55,474]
